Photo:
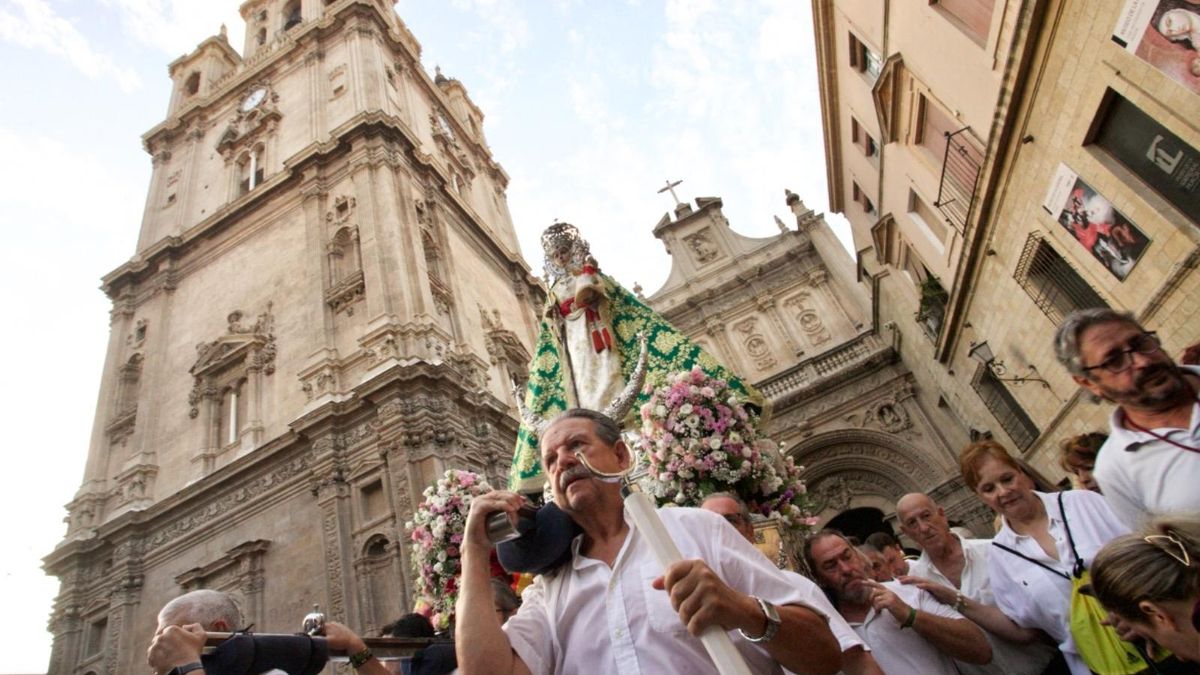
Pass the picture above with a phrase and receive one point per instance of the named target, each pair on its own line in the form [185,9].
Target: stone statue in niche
[702,246]
[889,416]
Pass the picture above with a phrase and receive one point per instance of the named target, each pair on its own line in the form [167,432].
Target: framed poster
[1093,222]
[1165,34]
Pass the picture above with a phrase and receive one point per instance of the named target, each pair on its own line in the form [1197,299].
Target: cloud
[504,20]
[33,24]
[175,27]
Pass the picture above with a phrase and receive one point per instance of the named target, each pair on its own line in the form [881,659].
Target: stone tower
[325,310]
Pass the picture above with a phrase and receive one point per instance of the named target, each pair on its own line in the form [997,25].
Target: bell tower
[323,313]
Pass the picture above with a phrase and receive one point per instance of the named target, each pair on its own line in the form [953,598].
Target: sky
[589,106]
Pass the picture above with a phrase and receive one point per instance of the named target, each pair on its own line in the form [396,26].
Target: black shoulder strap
[1039,563]
[1078,569]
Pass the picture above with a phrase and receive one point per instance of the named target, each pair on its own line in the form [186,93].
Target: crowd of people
[1101,578]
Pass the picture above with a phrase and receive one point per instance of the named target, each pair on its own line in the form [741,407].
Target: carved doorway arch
[863,468]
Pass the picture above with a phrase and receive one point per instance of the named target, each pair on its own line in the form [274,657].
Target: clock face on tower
[253,99]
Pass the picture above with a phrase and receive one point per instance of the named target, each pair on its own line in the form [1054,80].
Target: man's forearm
[990,618]
[480,644]
[958,638]
[804,643]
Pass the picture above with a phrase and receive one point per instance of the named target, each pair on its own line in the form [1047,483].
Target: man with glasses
[1150,464]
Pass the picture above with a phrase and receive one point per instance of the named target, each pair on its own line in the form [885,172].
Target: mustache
[1152,372]
[574,473]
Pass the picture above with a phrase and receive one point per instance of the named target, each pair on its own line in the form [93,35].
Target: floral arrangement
[436,531]
[698,438]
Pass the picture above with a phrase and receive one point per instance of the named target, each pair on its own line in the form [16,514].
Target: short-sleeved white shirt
[902,651]
[1007,657]
[1034,597]
[589,618]
[1142,476]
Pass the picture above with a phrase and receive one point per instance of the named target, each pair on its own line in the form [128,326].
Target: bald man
[182,624]
[856,656]
[955,571]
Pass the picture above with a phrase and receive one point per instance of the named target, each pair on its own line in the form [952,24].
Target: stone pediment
[219,353]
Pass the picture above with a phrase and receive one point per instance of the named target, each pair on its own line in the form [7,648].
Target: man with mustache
[954,570]
[611,607]
[1150,465]
[856,658]
[909,632]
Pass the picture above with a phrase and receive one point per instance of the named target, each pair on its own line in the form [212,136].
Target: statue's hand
[589,295]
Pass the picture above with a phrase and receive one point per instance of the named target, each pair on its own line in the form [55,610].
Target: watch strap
[186,668]
[772,617]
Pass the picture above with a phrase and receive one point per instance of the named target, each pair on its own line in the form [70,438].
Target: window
[192,86]
[1005,408]
[232,413]
[291,15]
[863,200]
[1150,151]
[934,127]
[861,138]
[261,37]
[931,313]
[250,168]
[973,17]
[374,501]
[925,215]
[864,60]
[1055,286]
[96,632]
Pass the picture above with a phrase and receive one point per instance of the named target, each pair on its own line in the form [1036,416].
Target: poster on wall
[1093,222]
[1150,150]
[1165,34]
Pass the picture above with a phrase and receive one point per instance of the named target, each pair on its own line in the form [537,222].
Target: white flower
[660,410]
[715,442]
[685,409]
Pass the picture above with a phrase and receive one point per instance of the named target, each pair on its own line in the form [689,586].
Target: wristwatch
[186,668]
[773,622]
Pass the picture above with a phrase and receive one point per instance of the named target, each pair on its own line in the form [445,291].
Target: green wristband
[912,618]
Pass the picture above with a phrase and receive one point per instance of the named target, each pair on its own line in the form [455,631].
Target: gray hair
[1066,338]
[742,508]
[205,607]
[504,597]
[607,430]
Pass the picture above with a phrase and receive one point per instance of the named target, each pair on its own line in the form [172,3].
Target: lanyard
[1164,439]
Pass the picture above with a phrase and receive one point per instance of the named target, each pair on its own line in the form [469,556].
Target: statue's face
[560,255]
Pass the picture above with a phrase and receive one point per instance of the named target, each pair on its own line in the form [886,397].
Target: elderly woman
[1152,580]
[1032,570]
[1077,456]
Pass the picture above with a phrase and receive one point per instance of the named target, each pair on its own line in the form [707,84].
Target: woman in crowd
[1032,570]
[1078,457]
[1152,580]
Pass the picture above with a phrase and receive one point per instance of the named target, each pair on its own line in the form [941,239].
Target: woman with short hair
[1151,579]
[1041,537]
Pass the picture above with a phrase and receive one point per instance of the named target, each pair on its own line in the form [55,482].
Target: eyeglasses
[734,519]
[1146,343]
[1173,543]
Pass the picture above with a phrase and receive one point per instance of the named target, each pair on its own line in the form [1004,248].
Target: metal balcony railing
[960,177]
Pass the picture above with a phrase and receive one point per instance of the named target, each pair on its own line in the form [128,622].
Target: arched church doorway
[860,523]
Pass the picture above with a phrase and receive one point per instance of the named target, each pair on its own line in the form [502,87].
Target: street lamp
[982,352]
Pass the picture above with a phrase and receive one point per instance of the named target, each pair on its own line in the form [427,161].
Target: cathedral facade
[789,314]
[326,308]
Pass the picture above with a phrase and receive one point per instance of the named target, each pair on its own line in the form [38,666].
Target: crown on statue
[564,249]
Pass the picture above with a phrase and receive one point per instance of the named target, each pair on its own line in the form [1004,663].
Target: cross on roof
[670,187]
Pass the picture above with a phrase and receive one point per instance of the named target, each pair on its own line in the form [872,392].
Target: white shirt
[1007,657]
[902,651]
[589,618]
[1142,476]
[1034,597]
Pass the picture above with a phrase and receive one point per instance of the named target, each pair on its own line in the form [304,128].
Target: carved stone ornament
[246,127]
[252,345]
[888,416]
[347,292]
[810,321]
[702,246]
[755,345]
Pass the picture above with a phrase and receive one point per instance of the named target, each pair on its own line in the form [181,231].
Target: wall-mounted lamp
[981,352]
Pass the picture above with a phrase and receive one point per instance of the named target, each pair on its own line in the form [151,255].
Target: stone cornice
[823,29]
